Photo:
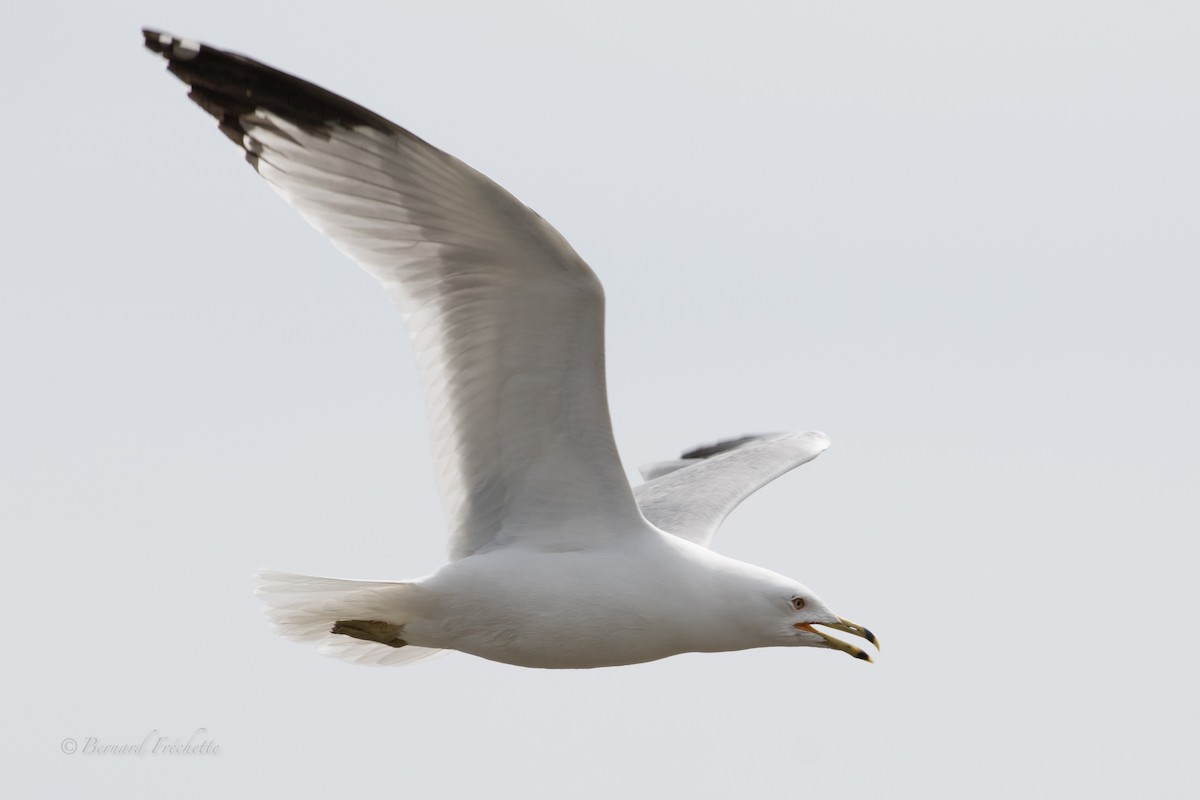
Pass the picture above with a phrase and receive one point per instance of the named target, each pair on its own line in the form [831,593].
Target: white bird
[554,560]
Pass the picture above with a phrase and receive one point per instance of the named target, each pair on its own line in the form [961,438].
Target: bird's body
[555,561]
[598,607]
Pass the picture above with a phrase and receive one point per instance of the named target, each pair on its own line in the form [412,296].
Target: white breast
[582,608]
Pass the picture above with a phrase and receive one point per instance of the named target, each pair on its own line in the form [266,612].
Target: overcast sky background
[959,238]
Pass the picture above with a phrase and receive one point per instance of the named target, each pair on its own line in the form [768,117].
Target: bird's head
[733,605]
[788,613]
[805,615]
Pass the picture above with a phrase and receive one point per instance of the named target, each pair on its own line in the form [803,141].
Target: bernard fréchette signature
[154,743]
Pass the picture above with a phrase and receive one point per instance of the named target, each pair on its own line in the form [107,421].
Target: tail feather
[305,608]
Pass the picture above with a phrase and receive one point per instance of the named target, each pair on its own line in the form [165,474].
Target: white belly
[567,610]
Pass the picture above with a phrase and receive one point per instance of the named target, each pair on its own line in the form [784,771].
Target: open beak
[846,626]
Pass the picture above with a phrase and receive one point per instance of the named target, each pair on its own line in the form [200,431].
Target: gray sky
[960,240]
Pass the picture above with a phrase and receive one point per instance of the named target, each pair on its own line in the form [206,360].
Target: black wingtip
[228,85]
[710,450]
[152,39]
[170,47]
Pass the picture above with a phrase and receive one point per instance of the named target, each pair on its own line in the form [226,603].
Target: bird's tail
[358,621]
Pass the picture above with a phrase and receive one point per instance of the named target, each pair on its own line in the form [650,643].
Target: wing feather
[692,496]
[507,320]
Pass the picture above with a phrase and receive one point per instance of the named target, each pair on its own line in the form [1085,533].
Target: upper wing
[506,318]
[692,497]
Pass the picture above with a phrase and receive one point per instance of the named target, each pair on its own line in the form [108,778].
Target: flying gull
[555,561]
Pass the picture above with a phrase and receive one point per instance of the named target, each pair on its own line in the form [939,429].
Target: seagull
[554,560]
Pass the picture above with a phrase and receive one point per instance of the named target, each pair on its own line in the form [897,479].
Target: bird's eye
[797,603]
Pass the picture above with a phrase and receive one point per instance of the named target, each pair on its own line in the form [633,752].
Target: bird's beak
[837,644]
